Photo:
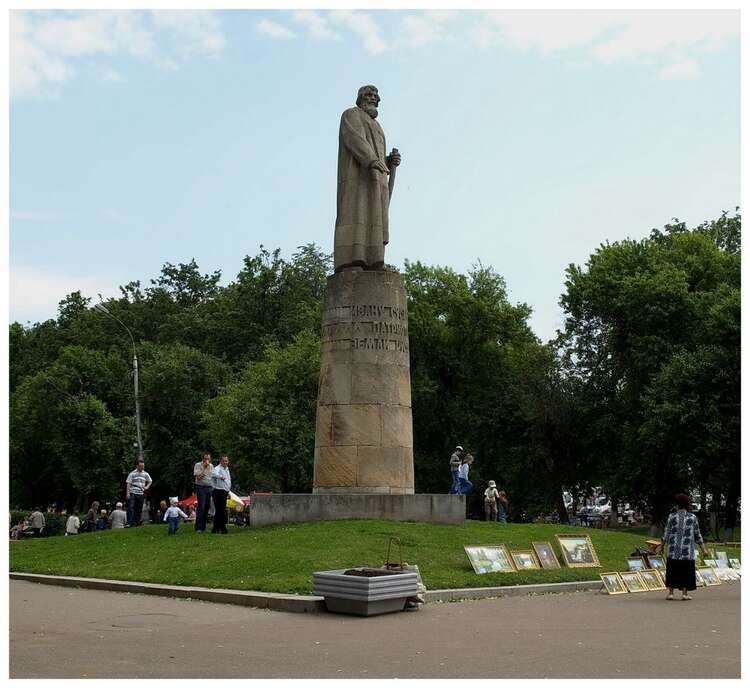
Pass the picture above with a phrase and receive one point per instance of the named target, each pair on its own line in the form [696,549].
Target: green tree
[265,420]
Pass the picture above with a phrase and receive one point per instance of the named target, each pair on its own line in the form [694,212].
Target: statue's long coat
[363,196]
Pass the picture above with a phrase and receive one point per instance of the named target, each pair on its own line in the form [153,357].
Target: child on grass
[173,515]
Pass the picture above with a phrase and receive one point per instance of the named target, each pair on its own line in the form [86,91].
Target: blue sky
[528,138]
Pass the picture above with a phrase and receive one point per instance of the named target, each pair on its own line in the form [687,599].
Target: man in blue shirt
[222,484]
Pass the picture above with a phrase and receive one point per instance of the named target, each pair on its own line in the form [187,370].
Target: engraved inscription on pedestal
[363,439]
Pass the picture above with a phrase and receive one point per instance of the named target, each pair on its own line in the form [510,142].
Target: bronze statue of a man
[364,191]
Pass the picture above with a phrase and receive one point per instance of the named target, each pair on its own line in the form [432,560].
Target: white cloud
[609,36]
[686,69]
[33,216]
[109,74]
[35,294]
[274,30]
[45,46]
[364,26]
[421,30]
[317,25]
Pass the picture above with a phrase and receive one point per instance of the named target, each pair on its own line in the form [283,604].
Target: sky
[528,138]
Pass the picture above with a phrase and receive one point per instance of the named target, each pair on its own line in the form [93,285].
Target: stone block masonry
[363,435]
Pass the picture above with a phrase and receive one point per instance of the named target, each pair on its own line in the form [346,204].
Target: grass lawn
[283,558]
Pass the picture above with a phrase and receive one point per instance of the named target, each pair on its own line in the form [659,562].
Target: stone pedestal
[363,435]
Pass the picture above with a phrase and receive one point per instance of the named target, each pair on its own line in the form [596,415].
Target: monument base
[299,508]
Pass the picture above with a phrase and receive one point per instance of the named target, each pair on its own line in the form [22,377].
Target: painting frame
[699,582]
[619,588]
[656,561]
[708,574]
[582,539]
[545,554]
[636,563]
[524,555]
[653,579]
[633,581]
[735,564]
[476,556]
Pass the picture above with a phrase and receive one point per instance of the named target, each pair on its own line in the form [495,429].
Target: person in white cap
[490,501]
[173,515]
[458,454]
[119,517]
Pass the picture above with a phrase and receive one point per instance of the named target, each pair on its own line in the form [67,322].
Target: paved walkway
[62,633]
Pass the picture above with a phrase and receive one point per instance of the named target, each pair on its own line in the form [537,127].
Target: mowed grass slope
[283,558]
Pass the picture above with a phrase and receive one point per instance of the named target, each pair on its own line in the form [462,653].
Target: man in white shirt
[136,486]
[204,485]
[222,484]
[118,518]
[73,524]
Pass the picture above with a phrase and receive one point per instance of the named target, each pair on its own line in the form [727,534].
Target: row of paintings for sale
[616,583]
[577,551]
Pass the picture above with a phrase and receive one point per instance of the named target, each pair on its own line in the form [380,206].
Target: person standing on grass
[73,523]
[204,486]
[681,534]
[37,522]
[455,465]
[136,486]
[502,507]
[89,522]
[172,515]
[222,481]
[465,485]
[490,501]
[118,518]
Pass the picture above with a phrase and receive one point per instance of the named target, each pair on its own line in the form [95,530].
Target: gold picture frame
[546,555]
[490,558]
[652,579]
[613,584]
[634,582]
[524,560]
[577,550]
[708,574]
[636,564]
[699,582]
[656,561]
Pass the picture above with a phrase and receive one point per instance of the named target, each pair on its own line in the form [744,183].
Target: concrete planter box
[374,591]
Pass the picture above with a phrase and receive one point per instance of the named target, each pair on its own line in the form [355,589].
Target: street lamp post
[103,309]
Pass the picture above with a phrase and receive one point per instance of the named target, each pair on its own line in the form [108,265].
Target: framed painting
[708,574]
[524,559]
[710,562]
[652,579]
[489,558]
[577,550]
[634,582]
[635,564]
[613,583]
[722,559]
[735,563]
[656,562]
[698,579]
[546,555]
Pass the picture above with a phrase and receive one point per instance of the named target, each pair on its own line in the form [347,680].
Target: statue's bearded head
[368,99]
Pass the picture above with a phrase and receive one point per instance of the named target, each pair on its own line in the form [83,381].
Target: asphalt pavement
[70,633]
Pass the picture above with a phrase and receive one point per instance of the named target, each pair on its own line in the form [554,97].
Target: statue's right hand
[380,166]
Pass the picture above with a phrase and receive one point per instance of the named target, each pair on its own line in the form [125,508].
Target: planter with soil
[365,591]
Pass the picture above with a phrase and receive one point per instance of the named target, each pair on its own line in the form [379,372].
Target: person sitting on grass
[73,523]
[103,522]
[16,532]
[173,515]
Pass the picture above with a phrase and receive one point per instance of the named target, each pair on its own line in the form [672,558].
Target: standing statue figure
[364,190]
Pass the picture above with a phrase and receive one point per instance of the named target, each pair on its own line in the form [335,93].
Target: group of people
[495,501]
[96,519]
[460,463]
[31,527]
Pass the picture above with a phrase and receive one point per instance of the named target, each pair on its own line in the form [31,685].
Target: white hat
[173,500]
[118,505]
[492,483]
[458,446]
